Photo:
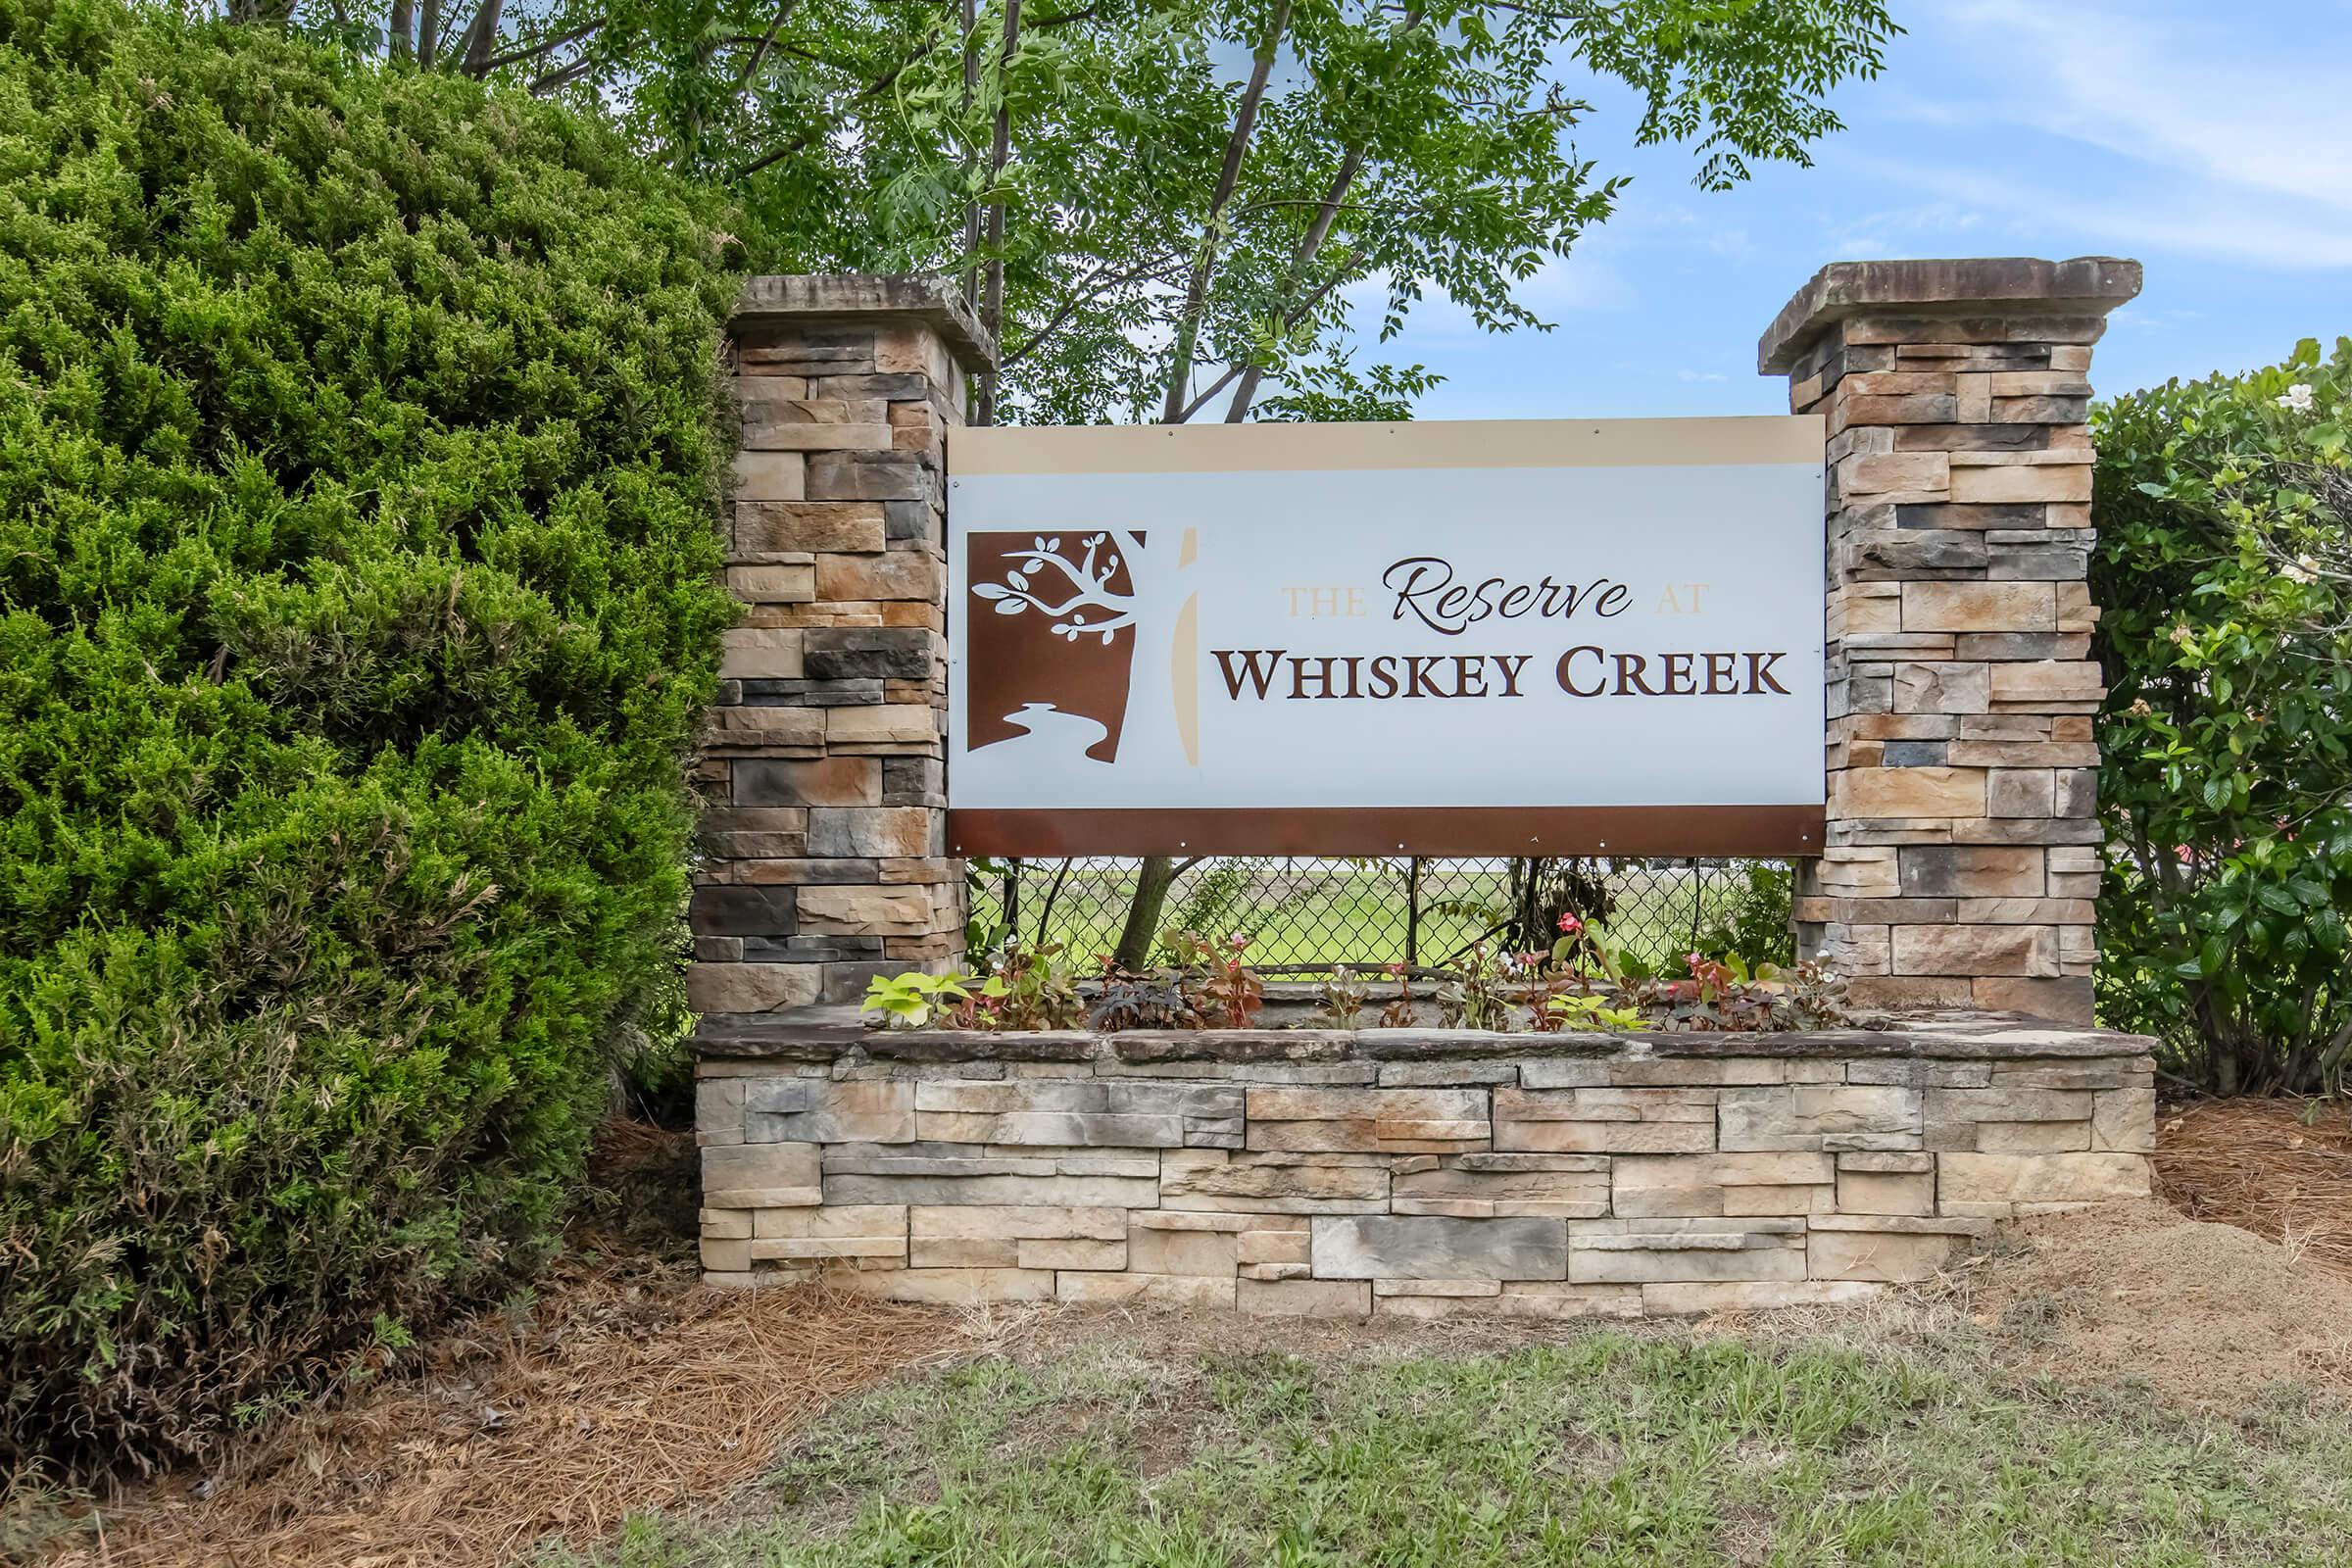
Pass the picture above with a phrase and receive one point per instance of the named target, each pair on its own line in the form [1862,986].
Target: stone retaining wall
[1416,1172]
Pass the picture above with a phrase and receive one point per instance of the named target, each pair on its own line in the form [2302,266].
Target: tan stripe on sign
[1790,438]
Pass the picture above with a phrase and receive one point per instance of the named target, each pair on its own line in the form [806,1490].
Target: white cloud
[2188,95]
[2224,134]
[2233,226]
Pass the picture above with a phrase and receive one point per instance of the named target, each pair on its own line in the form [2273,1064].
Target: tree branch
[971,207]
[1195,292]
[751,66]
[1088,289]
[473,58]
[1311,242]
[1296,315]
[544,46]
[562,76]
[991,313]
[880,85]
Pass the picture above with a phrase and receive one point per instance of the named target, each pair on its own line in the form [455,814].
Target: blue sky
[2211,141]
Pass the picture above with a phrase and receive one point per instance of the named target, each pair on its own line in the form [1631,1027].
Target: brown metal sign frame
[1764,831]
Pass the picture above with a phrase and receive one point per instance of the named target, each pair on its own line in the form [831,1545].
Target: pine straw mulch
[2235,1279]
[621,1385]
[2281,1168]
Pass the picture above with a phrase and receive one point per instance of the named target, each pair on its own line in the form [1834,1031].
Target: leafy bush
[360,444]
[1753,923]
[2224,509]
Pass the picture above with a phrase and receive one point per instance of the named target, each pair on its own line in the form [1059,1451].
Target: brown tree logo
[1081,628]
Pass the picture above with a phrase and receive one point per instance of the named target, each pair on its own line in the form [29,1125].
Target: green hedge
[361,436]
[2223,571]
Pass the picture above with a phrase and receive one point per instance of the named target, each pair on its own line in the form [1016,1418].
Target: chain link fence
[1308,916]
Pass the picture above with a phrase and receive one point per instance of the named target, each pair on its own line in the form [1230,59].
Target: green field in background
[1308,912]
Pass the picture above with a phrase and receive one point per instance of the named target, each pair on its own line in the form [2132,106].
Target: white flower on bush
[2296,398]
[2294,573]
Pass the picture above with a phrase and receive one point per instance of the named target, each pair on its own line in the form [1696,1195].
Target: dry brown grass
[2281,1168]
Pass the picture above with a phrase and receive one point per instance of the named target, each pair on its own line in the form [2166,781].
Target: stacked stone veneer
[1402,1172]
[824,765]
[1960,857]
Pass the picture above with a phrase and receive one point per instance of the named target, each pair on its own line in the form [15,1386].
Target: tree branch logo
[1085,646]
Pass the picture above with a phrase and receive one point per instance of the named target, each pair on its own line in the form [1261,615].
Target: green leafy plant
[1034,990]
[985,928]
[1477,995]
[1590,1012]
[1208,904]
[1154,1001]
[1341,998]
[1232,991]
[1754,922]
[361,437]
[1726,995]
[913,1000]
[1587,949]
[1399,1013]
[2221,570]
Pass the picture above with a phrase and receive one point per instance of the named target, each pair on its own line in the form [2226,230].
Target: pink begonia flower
[1571,924]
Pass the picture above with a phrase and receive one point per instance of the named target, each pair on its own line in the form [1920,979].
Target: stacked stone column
[824,762]
[1960,860]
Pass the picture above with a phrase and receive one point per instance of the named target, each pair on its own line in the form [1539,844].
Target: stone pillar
[824,762]
[1961,856]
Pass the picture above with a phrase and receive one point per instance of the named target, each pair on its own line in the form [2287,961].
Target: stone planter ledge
[839,1034]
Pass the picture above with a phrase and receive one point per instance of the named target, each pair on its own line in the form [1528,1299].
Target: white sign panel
[1441,638]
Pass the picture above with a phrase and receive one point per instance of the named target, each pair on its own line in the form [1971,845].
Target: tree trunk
[1412,911]
[1316,233]
[1153,880]
[971,209]
[1159,872]
[482,39]
[991,311]
[1159,593]
[1195,292]
[400,35]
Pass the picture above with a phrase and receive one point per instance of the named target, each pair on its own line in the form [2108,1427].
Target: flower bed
[1586,982]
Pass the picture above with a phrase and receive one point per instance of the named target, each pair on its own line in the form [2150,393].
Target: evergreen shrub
[361,439]
[2223,571]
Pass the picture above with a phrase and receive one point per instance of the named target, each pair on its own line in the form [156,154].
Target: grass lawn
[1247,1444]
